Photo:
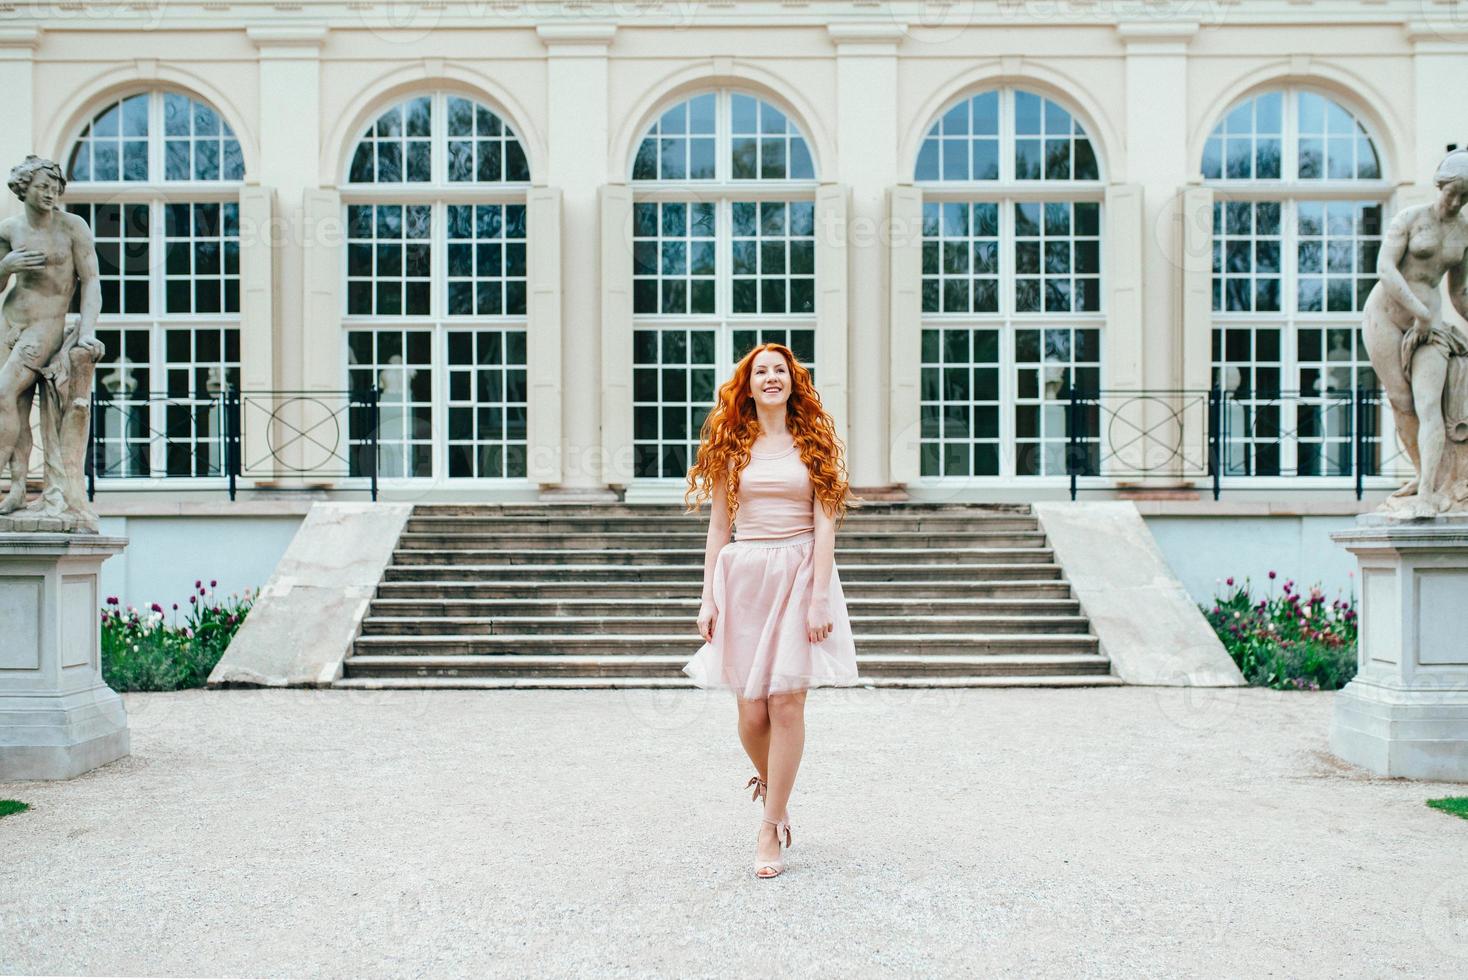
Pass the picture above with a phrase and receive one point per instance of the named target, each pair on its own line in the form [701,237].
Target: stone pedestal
[57,718]
[1406,711]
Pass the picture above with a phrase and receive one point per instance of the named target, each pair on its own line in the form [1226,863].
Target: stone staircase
[596,595]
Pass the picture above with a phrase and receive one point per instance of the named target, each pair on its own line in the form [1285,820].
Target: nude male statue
[49,252]
[1421,359]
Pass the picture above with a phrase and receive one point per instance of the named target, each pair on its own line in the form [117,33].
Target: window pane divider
[1302,190]
[1027,191]
[418,193]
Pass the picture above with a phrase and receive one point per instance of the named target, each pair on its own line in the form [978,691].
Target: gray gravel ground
[1095,832]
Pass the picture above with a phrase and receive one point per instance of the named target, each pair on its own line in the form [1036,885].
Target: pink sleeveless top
[776,497]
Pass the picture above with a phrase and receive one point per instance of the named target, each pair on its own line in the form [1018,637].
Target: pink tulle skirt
[762,592]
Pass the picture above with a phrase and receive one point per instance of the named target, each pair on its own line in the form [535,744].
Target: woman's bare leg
[1429,374]
[787,744]
[754,734]
[1384,346]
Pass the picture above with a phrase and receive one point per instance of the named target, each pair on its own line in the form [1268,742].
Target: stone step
[952,524]
[695,539]
[533,576]
[435,606]
[932,645]
[845,557]
[595,595]
[652,665]
[454,589]
[472,682]
[906,624]
[621,510]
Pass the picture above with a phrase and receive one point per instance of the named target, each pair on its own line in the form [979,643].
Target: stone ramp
[1147,624]
[303,621]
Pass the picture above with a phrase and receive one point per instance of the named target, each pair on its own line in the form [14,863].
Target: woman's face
[1452,191]
[769,382]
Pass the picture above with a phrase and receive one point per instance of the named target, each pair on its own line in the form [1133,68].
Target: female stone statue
[1422,361]
[50,253]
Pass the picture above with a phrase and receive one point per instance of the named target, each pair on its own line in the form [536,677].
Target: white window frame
[1289,190]
[439,193]
[156,192]
[723,190]
[1006,192]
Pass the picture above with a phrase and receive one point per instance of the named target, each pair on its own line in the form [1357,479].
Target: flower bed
[150,650]
[1287,641]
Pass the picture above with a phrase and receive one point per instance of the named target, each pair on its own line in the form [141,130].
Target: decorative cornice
[1150,37]
[869,33]
[897,18]
[577,33]
[20,37]
[577,40]
[294,36]
[1452,36]
[869,39]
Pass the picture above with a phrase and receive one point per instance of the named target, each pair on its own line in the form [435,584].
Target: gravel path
[1096,832]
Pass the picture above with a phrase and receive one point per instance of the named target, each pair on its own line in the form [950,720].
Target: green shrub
[143,652]
[1288,640]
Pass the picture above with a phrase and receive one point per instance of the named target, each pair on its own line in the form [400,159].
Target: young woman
[773,616]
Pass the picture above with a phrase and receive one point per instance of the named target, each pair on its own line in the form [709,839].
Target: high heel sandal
[778,864]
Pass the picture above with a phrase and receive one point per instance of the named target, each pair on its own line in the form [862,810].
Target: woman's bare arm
[718,535]
[825,558]
[1393,247]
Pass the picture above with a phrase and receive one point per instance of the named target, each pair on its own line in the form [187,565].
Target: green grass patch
[7,807]
[1456,805]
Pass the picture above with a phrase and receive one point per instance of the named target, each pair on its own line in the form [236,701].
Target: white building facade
[507,251]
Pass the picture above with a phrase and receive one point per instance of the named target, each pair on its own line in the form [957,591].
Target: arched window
[157,176]
[1011,284]
[723,243]
[1297,222]
[435,289]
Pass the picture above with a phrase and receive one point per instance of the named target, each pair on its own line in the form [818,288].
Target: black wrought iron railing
[278,440]
[286,440]
[1127,435]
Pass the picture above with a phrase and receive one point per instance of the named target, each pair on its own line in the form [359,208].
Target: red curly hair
[732,425]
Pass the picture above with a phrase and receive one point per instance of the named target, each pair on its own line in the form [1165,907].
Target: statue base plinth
[27,522]
[58,718]
[1406,711]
